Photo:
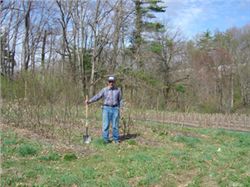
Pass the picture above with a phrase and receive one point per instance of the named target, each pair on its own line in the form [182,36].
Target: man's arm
[96,97]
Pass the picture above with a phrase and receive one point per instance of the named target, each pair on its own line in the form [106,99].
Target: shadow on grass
[128,136]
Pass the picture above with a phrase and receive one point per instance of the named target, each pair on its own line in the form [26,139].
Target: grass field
[155,155]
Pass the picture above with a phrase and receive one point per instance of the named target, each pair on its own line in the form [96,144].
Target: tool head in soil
[86,137]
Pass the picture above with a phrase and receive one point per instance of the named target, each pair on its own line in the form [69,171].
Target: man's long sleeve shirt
[111,96]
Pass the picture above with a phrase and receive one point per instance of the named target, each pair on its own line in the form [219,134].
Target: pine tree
[144,13]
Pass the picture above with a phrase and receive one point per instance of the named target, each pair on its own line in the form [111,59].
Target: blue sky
[197,16]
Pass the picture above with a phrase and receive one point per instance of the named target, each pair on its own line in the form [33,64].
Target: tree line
[59,51]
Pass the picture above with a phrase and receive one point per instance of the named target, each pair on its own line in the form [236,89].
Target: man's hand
[86,102]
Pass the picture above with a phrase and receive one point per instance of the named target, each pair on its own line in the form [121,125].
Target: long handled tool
[86,137]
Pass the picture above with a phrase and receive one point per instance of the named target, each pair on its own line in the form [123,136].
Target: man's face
[111,83]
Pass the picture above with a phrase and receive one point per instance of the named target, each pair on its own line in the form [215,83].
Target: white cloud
[187,17]
[184,14]
[196,16]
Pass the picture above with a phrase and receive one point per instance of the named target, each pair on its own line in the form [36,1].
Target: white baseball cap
[111,78]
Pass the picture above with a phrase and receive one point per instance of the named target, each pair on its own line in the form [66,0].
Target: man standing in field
[112,97]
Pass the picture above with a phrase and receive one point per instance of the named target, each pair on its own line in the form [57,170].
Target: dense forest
[53,53]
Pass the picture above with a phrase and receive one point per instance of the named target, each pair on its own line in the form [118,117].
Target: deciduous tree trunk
[26,47]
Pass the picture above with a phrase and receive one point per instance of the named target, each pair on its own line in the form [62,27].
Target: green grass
[26,149]
[51,156]
[70,157]
[162,155]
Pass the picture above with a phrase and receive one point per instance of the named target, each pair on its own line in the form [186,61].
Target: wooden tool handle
[87,108]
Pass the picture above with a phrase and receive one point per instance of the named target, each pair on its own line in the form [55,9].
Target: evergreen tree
[144,13]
